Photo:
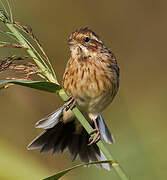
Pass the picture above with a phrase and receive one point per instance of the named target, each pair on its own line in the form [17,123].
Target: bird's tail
[59,136]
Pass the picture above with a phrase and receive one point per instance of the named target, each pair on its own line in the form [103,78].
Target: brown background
[136,31]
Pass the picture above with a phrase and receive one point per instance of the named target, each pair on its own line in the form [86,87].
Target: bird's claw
[96,138]
[70,103]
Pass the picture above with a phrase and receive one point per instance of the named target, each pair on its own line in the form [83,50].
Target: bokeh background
[136,31]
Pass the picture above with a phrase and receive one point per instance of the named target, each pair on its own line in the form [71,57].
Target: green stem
[64,96]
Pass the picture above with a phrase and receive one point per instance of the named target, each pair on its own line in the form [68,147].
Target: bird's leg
[96,138]
[70,103]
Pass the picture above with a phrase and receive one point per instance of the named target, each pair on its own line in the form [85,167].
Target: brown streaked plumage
[91,78]
[98,85]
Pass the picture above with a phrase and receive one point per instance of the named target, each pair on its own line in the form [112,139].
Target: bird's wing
[104,131]
[51,120]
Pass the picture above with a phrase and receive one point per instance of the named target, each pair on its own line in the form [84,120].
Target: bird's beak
[72,42]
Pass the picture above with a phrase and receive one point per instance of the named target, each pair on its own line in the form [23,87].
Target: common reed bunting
[91,79]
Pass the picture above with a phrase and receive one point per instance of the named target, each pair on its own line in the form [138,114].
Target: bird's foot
[96,138]
[70,103]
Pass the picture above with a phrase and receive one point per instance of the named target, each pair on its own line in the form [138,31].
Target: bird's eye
[87,39]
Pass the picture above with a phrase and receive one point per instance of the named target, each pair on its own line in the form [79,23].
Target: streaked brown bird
[91,78]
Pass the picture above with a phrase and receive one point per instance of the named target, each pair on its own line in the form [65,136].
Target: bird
[91,79]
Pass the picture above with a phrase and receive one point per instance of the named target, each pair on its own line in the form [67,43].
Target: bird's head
[85,42]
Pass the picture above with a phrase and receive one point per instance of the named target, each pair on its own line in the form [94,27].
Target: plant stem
[64,96]
[44,70]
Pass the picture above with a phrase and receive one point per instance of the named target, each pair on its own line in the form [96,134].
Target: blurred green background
[136,31]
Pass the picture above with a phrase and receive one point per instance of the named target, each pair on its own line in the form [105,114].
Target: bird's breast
[92,85]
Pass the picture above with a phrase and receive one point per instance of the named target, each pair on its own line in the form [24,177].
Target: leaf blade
[39,85]
[62,173]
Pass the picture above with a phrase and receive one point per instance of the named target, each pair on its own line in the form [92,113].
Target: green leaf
[40,85]
[62,173]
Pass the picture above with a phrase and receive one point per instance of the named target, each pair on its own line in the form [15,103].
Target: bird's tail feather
[59,136]
[63,136]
